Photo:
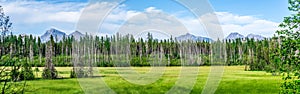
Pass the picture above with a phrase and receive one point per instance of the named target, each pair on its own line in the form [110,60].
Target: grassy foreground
[235,81]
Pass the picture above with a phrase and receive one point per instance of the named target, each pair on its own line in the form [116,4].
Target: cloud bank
[34,17]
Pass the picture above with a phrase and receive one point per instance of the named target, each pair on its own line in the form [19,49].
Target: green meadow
[234,81]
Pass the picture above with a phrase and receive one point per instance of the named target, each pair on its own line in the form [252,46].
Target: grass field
[235,81]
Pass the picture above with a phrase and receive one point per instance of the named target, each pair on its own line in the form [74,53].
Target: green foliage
[137,61]
[13,88]
[289,37]
[238,52]
[289,49]
[26,73]
[48,74]
[78,73]
[19,69]
[205,60]
[175,62]
[291,84]
[73,74]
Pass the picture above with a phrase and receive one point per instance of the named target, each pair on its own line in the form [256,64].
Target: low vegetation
[235,81]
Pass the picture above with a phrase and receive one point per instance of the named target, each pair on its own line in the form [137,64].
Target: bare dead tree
[49,71]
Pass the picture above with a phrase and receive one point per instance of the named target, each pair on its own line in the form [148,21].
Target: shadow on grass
[62,78]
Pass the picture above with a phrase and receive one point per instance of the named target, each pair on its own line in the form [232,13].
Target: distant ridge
[235,35]
[58,35]
[255,37]
[192,37]
[77,35]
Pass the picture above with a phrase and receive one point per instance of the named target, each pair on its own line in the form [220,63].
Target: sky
[243,16]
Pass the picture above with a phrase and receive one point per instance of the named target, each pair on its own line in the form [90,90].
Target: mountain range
[255,37]
[231,36]
[77,35]
[235,35]
[58,36]
[192,37]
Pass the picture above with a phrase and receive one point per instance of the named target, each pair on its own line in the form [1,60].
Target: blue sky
[273,10]
[243,16]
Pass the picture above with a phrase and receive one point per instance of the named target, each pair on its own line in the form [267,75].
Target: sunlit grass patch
[234,81]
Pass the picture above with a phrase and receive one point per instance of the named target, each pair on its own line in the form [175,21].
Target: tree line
[255,54]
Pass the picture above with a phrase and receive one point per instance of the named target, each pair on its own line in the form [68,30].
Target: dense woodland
[256,54]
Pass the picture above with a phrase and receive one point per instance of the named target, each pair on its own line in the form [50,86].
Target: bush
[26,74]
[73,74]
[137,61]
[175,62]
[47,74]
[13,88]
[291,85]
[80,73]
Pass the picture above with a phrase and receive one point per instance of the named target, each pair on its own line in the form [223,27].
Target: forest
[255,54]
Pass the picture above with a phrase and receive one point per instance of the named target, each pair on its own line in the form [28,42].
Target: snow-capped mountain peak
[57,35]
[234,35]
[187,36]
[255,37]
[77,35]
[192,37]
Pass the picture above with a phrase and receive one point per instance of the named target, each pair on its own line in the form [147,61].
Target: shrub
[291,85]
[26,74]
[48,74]
[73,74]
[13,88]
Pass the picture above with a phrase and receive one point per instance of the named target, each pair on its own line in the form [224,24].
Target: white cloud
[235,23]
[194,26]
[33,17]
[228,21]
[92,15]
[229,18]
[246,24]
[152,10]
[159,22]
[38,12]
[136,22]
[41,15]
[104,14]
